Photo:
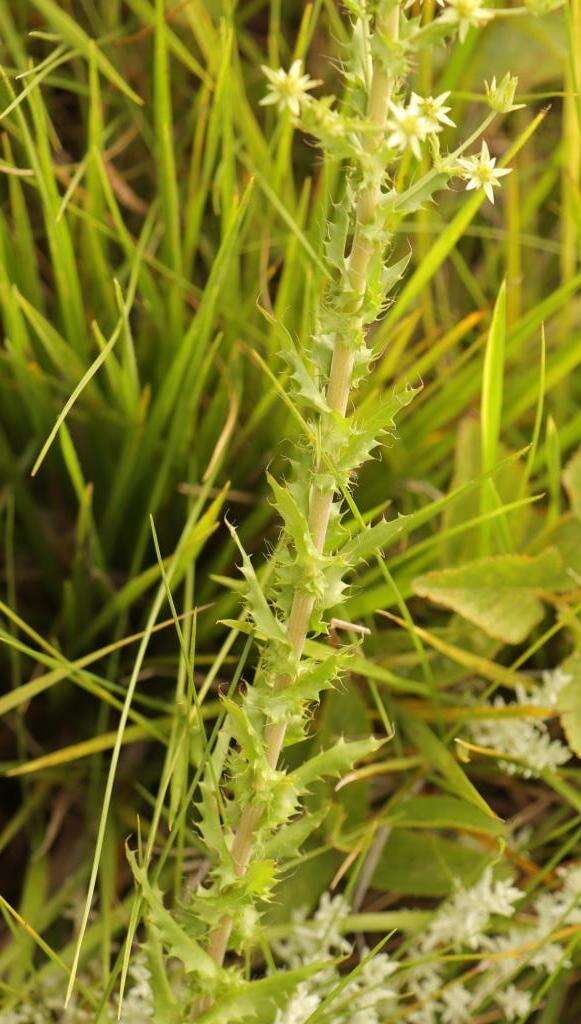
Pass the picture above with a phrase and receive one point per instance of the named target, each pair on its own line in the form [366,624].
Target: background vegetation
[157,227]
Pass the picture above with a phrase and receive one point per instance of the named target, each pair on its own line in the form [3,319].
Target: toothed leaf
[335,761]
[172,935]
[267,625]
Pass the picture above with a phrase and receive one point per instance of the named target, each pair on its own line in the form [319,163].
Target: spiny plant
[378,137]
[317,301]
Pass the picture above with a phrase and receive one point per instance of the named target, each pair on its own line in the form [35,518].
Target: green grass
[161,244]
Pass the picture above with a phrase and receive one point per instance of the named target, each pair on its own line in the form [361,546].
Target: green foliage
[444,812]
[402,867]
[211,315]
[569,702]
[334,762]
[499,594]
[439,758]
[572,482]
[179,944]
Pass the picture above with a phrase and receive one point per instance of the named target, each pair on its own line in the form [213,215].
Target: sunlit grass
[161,240]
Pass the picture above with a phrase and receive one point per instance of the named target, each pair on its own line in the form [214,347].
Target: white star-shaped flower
[408,127]
[433,110]
[287,89]
[481,172]
[466,13]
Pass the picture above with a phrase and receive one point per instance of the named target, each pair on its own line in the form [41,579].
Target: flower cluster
[44,1004]
[463,919]
[492,917]
[411,125]
[461,922]
[525,741]
[466,14]
[320,933]
[425,989]
[363,1000]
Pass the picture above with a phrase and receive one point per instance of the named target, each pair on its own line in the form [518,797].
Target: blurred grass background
[157,231]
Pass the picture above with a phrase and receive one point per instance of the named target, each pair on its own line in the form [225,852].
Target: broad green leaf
[565,536]
[415,864]
[444,812]
[500,594]
[569,702]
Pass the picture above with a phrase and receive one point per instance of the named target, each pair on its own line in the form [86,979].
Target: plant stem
[337,396]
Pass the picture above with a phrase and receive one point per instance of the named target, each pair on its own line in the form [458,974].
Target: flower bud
[501,97]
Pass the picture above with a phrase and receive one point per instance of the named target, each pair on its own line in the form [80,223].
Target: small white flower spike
[467,13]
[554,680]
[481,172]
[514,1002]
[138,1005]
[300,1007]
[464,917]
[288,89]
[408,127]
[526,739]
[433,110]
[457,1005]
